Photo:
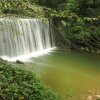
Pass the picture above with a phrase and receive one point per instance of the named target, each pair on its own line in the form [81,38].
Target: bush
[21,7]
[17,84]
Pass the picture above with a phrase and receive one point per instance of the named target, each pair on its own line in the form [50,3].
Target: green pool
[68,70]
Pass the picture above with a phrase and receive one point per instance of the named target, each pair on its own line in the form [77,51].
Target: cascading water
[24,38]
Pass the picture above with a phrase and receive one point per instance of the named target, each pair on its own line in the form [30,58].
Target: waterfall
[20,37]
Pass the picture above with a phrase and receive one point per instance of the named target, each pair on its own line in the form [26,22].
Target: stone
[19,62]
[93,97]
[1,60]
[89,98]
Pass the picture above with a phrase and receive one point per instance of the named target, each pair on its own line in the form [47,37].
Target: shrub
[18,84]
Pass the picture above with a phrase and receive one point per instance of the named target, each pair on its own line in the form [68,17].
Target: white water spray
[24,38]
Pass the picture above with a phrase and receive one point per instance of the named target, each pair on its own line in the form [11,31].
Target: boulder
[19,62]
[1,60]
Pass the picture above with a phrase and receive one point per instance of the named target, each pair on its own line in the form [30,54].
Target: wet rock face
[19,62]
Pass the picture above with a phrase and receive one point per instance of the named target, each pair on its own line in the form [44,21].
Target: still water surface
[68,70]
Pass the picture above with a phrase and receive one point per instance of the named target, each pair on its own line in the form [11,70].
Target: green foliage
[82,33]
[70,6]
[89,8]
[50,3]
[76,27]
[21,7]
[17,84]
